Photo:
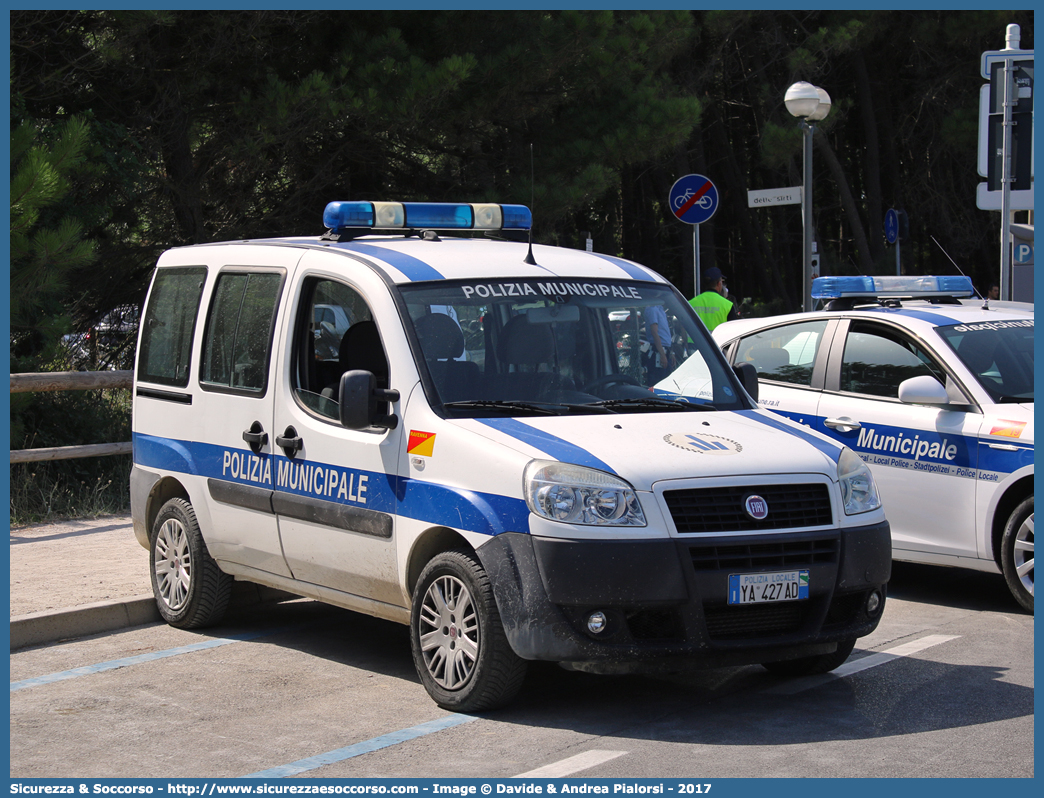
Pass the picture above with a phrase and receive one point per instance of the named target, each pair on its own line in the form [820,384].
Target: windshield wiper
[1013,400]
[506,405]
[655,402]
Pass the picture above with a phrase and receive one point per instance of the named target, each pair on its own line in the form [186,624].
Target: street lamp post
[809,104]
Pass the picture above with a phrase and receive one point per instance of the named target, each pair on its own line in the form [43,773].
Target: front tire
[191,591]
[459,647]
[810,666]
[1017,553]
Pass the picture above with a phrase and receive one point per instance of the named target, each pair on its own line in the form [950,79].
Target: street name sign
[774,196]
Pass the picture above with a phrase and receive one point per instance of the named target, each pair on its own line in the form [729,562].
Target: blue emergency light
[426,215]
[898,286]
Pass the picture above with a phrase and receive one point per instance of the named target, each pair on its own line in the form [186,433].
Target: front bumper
[667,599]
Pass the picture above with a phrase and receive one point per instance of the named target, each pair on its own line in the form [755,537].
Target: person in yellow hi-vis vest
[712,306]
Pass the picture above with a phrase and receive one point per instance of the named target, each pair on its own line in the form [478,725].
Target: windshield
[590,346]
[999,354]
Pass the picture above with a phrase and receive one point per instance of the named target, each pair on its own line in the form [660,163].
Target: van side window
[334,333]
[237,342]
[169,326]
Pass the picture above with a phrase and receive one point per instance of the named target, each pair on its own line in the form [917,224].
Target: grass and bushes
[82,488]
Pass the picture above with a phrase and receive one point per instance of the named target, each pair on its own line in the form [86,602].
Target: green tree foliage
[902,133]
[211,125]
[47,242]
[233,124]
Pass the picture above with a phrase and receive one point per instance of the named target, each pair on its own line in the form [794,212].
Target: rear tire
[191,591]
[1017,553]
[459,647]
[810,666]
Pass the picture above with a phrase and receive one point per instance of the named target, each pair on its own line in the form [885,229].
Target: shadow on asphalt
[730,706]
[952,587]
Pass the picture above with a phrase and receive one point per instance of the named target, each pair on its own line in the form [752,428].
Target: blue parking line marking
[365,747]
[88,670]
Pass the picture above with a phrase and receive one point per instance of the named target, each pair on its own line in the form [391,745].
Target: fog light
[873,604]
[596,622]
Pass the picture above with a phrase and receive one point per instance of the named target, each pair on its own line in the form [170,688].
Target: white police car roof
[407,260]
[399,238]
[913,314]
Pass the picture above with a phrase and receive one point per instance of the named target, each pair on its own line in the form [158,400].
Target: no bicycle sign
[693,199]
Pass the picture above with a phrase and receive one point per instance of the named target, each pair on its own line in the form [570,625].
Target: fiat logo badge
[756,507]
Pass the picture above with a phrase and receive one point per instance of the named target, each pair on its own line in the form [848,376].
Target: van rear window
[169,324]
[237,341]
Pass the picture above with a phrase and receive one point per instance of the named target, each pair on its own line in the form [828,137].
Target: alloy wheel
[173,564]
[449,634]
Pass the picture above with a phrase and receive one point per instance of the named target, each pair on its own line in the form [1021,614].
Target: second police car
[934,392]
[477,459]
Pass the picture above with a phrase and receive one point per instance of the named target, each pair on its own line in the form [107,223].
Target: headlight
[858,488]
[576,495]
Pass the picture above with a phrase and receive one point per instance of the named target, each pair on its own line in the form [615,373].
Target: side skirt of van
[348,601]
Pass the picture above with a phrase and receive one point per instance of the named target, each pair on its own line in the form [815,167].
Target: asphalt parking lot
[943,688]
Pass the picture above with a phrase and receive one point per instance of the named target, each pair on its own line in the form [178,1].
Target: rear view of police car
[487,455]
[934,393]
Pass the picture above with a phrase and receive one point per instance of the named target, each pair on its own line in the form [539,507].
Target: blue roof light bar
[906,286]
[427,215]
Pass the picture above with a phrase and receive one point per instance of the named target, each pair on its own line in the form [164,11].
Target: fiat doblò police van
[522,452]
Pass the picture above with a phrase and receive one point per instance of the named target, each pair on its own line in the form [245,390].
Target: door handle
[290,442]
[256,437]
[843,424]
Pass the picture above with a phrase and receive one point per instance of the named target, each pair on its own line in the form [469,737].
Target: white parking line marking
[573,764]
[862,664]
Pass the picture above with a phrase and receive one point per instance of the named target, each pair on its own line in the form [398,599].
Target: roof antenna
[985,299]
[532,201]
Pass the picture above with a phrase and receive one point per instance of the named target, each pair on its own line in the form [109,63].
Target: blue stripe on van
[831,450]
[412,267]
[556,447]
[633,270]
[484,513]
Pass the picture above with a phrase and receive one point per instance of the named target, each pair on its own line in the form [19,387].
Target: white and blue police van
[934,390]
[416,417]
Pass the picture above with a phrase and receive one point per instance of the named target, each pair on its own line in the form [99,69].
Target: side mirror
[923,390]
[748,377]
[360,402]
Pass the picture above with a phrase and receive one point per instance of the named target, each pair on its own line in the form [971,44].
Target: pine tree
[47,241]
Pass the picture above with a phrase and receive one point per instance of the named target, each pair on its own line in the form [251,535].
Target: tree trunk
[872,154]
[866,264]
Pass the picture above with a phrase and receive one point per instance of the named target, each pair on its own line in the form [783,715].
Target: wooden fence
[70,381]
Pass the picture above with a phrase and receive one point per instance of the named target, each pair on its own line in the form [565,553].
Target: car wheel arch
[1013,496]
[165,489]
[432,542]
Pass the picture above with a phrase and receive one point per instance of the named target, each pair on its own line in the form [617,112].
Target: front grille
[722,509]
[790,553]
[753,621]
